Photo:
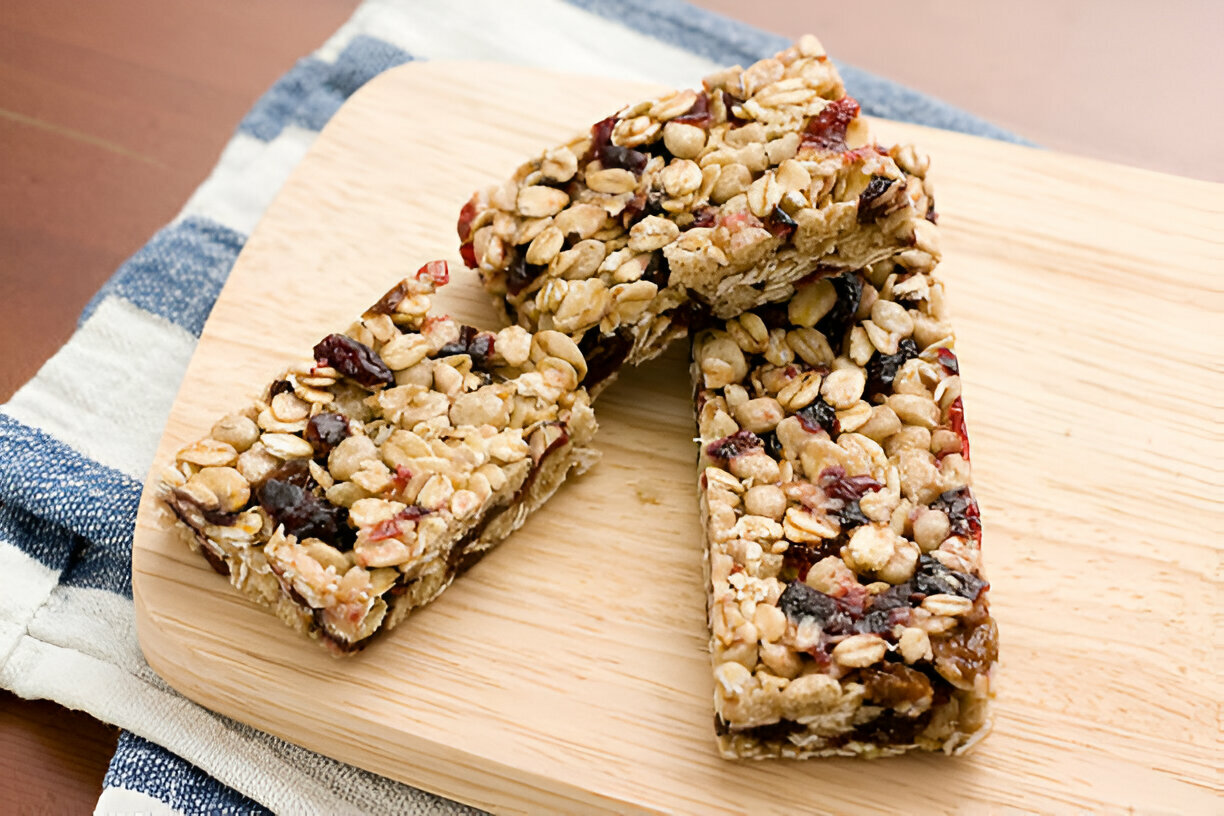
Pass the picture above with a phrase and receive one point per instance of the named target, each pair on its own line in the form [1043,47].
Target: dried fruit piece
[354,360]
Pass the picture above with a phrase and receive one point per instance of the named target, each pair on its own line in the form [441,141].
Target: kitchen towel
[77,440]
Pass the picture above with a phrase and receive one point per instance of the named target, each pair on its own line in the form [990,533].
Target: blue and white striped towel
[78,439]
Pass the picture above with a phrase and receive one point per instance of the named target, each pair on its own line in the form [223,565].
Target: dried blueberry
[279,387]
[354,360]
[851,515]
[520,274]
[326,431]
[729,447]
[870,207]
[304,514]
[882,368]
[962,510]
[476,344]
[800,601]
[780,224]
[773,447]
[817,415]
[837,321]
[933,578]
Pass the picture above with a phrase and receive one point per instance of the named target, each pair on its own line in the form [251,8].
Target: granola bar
[365,479]
[699,203]
[847,606]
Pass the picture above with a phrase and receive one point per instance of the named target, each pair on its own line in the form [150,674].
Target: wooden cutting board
[567,672]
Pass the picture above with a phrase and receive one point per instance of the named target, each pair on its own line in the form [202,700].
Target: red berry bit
[947,359]
[437,271]
[699,114]
[354,360]
[392,527]
[827,129]
[466,216]
[956,418]
[388,302]
[836,484]
[729,447]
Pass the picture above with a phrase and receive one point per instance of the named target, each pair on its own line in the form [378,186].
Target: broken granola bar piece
[847,605]
[698,203]
[364,480]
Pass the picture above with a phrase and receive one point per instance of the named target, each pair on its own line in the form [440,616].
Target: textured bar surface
[847,607]
[699,203]
[365,479]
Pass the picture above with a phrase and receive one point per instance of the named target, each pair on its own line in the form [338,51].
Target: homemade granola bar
[847,607]
[700,202]
[365,479]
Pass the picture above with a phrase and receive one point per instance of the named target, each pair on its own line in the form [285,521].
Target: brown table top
[111,114]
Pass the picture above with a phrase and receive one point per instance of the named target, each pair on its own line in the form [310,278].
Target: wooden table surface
[111,114]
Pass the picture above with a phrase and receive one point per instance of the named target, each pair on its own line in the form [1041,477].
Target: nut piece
[870,548]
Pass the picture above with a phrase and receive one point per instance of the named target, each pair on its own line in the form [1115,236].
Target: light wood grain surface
[567,671]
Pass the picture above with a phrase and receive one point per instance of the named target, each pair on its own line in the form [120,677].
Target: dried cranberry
[520,274]
[476,344]
[302,513]
[730,100]
[466,216]
[468,253]
[827,129]
[869,205]
[611,155]
[947,359]
[354,360]
[326,431]
[882,368]
[604,354]
[819,414]
[836,322]
[279,387]
[800,601]
[295,472]
[438,271]
[729,447]
[836,484]
[956,418]
[699,114]
[800,557]
[780,224]
[388,302]
[626,158]
[933,578]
